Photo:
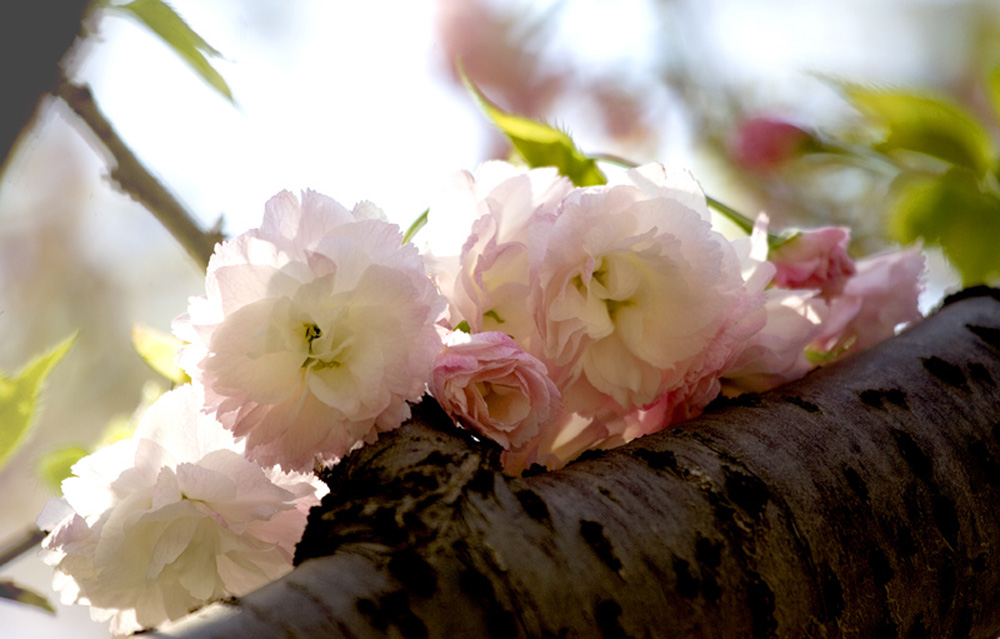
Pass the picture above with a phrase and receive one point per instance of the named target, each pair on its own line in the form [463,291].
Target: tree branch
[137,181]
[858,502]
[34,37]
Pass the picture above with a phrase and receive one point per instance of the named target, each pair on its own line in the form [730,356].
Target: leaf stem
[136,180]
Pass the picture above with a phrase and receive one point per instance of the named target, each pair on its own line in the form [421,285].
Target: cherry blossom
[489,384]
[315,331]
[638,296]
[154,526]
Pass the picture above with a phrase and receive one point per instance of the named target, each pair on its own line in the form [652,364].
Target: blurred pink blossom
[762,144]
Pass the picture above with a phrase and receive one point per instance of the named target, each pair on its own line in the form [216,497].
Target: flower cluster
[636,308]
[567,319]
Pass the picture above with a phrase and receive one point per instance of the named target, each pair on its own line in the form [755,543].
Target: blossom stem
[136,180]
[27,540]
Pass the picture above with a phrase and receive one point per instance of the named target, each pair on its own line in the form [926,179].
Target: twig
[135,179]
[15,549]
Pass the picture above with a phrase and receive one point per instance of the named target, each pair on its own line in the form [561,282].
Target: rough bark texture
[861,501]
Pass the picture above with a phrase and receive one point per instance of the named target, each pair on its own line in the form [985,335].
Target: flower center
[319,360]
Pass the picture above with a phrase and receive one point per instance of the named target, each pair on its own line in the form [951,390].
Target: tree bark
[860,501]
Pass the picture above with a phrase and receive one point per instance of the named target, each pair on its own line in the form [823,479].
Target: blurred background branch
[34,38]
[135,179]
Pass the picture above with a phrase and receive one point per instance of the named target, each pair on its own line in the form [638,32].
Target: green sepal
[464,327]
[19,396]
[540,144]
[166,23]
[951,211]
[14,592]
[418,224]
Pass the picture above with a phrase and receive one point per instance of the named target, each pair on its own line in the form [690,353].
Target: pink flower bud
[487,382]
[762,144]
[814,259]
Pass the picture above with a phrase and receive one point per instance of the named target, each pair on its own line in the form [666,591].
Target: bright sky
[334,96]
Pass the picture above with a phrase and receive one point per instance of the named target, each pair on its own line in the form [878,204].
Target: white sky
[340,100]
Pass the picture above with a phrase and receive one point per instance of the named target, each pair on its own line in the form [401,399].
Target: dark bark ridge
[860,501]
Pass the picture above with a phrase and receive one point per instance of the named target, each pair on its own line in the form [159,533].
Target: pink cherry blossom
[777,353]
[489,384]
[560,442]
[814,259]
[508,209]
[638,297]
[154,526]
[878,299]
[315,330]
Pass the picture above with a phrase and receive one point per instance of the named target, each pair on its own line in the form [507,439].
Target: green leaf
[993,90]
[158,350]
[951,211]
[19,395]
[20,594]
[55,466]
[166,23]
[540,144]
[926,125]
[418,224]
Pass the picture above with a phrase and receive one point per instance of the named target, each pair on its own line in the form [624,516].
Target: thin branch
[15,549]
[136,180]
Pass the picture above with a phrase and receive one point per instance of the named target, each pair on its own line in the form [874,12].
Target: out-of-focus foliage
[159,350]
[19,397]
[27,596]
[56,465]
[166,23]
[931,126]
[945,187]
[953,211]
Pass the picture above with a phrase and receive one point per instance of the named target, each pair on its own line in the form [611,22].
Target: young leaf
[18,396]
[158,350]
[166,23]
[54,466]
[952,212]
[20,594]
[540,144]
[925,125]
